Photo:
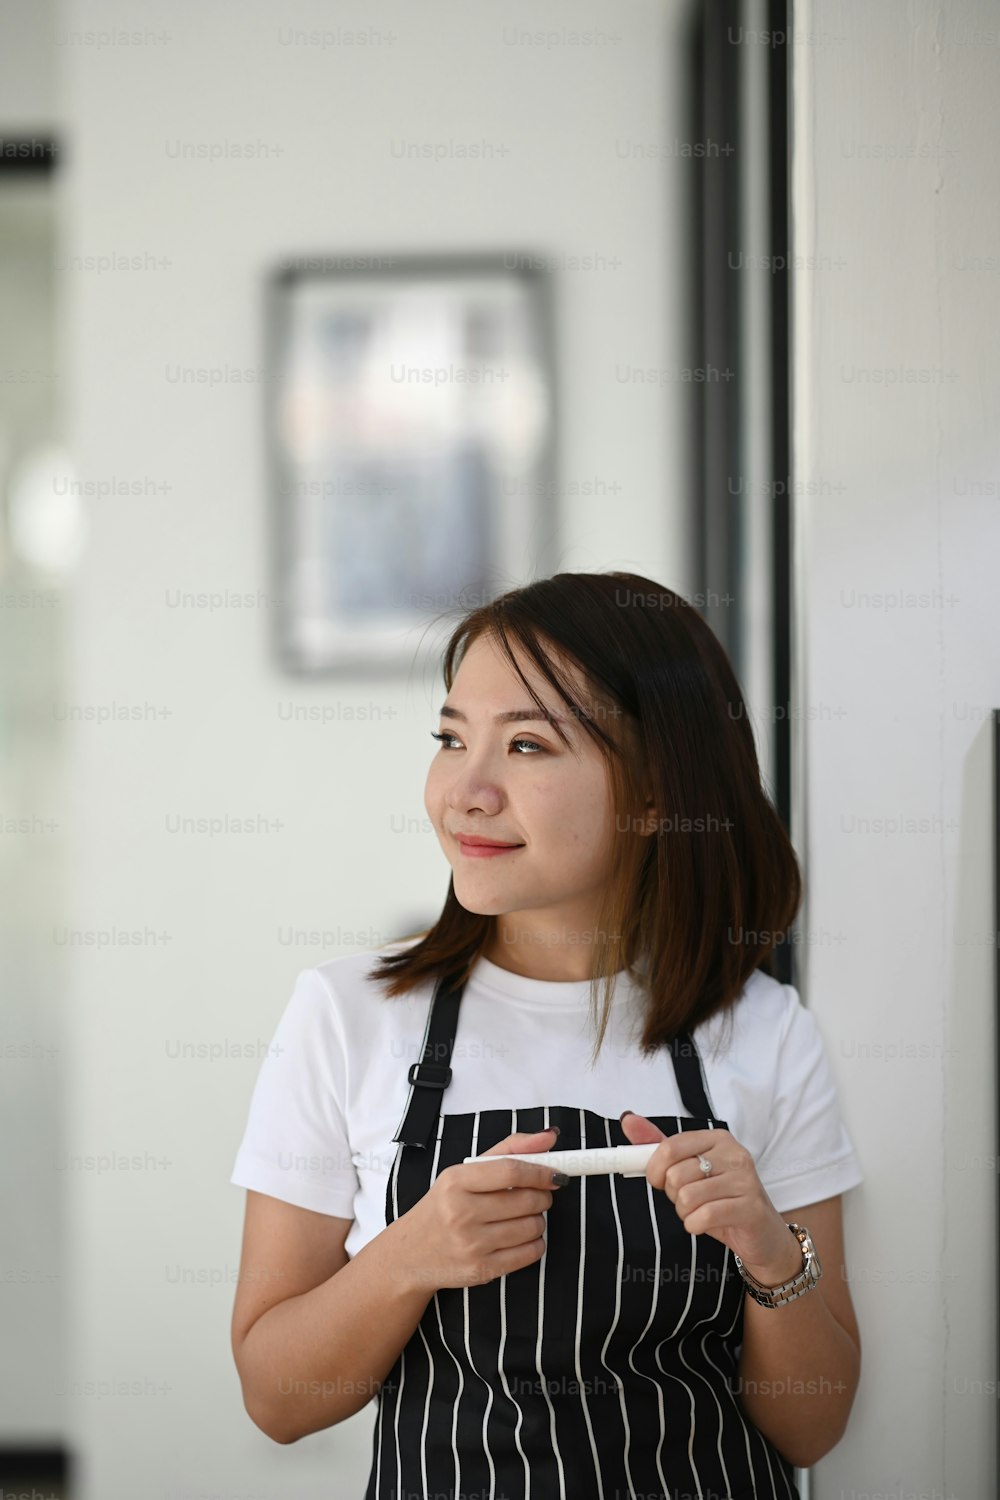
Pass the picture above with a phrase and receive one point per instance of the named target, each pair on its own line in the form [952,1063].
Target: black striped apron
[604,1371]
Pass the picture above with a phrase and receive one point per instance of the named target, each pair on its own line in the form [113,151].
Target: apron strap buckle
[440,1071]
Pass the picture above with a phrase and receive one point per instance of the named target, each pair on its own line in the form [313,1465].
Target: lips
[480,843]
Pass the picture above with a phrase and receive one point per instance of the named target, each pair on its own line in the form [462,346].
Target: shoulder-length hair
[691,908]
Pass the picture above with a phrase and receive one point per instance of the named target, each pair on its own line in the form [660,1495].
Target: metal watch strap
[795,1286]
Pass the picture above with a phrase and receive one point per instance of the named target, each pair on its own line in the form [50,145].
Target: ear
[651,818]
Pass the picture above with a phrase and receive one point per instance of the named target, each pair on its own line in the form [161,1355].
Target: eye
[444,735]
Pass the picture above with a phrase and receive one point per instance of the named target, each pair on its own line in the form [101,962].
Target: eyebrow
[512,716]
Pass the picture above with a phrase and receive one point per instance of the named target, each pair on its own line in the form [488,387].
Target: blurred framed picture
[410,421]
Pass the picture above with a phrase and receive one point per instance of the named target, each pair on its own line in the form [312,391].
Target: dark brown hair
[718,858]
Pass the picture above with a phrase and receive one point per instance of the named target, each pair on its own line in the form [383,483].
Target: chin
[481,908]
[481,905]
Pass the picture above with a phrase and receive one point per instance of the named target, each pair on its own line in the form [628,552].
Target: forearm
[314,1360]
[798,1370]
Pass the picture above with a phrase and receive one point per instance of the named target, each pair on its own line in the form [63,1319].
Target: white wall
[30,99]
[214,969]
[897,137]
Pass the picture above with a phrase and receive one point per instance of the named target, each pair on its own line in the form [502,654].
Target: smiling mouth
[467,846]
[489,851]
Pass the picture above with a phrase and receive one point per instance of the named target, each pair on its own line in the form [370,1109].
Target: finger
[514,1204]
[688,1145]
[506,1258]
[697,1191]
[640,1131]
[519,1229]
[700,1140]
[523,1142]
[488,1175]
[680,1171]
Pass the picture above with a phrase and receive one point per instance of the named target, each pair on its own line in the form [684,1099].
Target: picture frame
[411,422]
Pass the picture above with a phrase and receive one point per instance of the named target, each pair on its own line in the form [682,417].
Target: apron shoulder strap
[690,1082]
[430,1076]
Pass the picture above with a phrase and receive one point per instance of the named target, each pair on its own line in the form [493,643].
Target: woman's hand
[730,1203]
[479,1220]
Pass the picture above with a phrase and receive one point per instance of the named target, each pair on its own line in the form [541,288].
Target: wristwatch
[797,1286]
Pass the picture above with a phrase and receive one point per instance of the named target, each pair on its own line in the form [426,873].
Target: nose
[474,785]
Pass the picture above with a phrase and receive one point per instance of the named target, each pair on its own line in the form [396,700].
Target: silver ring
[704,1164]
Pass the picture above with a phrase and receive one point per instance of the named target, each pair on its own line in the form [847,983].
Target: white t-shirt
[332,1089]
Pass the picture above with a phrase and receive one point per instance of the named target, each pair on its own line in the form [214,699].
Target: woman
[599,975]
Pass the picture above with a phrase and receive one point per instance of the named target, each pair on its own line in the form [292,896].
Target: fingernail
[624,1113]
[554,1129]
[559,1179]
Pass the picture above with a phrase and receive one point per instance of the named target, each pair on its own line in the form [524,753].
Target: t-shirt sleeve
[295,1145]
[809,1154]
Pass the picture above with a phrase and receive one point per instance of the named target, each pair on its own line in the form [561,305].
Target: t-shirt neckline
[573,994]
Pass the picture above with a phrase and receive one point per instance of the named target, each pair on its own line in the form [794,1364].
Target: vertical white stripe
[468,1351]
[584,1182]
[455,1359]
[672,1334]
[423,1336]
[692,1429]
[612,1188]
[538,1361]
[461,1377]
[395,1214]
[657,1385]
[697,1373]
[695,1242]
[502,1373]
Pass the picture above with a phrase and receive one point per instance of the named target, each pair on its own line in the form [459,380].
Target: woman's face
[517,783]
